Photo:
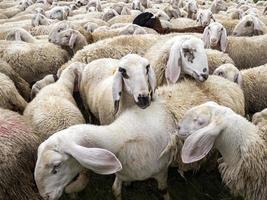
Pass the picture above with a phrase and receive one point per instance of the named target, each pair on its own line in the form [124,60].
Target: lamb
[18,144]
[246,52]
[59,12]
[109,86]
[243,149]
[145,139]
[96,4]
[218,5]
[20,34]
[250,25]
[54,107]
[70,38]
[204,17]
[22,86]
[252,81]
[40,19]
[177,56]
[47,80]
[191,9]
[24,58]
[9,96]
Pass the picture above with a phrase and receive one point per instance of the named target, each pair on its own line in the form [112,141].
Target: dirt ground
[198,186]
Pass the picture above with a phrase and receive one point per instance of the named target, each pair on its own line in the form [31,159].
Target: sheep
[145,139]
[59,12]
[54,107]
[20,34]
[18,144]
[178,56]
[173,12]
[252,81]
[47,80]
[215,36]
[192,9]
[249,25]
[40,19]
[115,48]
[246,52]
[218,5]
[70,38]
[22,86]
[260,119]
[10,97]
[124,83]
[108,14]
[204,17]
[96,4]
[243,149]
[90,27]
[32,61]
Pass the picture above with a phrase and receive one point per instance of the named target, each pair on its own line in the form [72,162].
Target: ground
[198,186]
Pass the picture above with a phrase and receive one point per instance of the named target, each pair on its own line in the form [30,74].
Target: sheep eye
[123,73]
[55,168]
[221,29]
[147,69]
[220,73]
[205,69]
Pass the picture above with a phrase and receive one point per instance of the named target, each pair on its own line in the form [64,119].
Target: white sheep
[89,146]
[22,86]
[54,107]
[204,17]
[218,5]
[250,25]
[110,86]
[252,81]
[9,95]
[192,8]
[70,38]
[241,144]
[260,119]
[40,19]
[178,56]
[246,52]
[32,61]
[47,80]
[20,34]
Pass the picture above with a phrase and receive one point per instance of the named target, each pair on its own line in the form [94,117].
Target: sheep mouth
[143,102]
[73,180]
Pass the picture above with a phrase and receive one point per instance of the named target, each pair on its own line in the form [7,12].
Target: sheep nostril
[205,76]
[143,101]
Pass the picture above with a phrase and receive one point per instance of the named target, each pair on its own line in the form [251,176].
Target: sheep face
[138,79]
[60,161]
[220,5]
[136,5]
[249,25]
[204,17]
[39,19]
[187,55]
[193,120]
[200,127]
[108,14]
[214,36]
[230,72]
[59,27]
[54,171]
[260,118]
[192,6]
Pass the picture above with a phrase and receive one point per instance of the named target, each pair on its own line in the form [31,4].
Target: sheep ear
[206,37]
[72,40]
[238,79]
[116,90]
[199,144]
[223,40]
[258,26]
[100,161]
[152,80]
[77,80]
[174,64]
[212,17]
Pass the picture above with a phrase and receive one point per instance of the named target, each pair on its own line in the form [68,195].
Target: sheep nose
[213,40]
[205,76]
[234,33]
[143,101]
[49,40]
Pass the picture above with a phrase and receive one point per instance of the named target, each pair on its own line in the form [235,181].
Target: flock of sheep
[131,87]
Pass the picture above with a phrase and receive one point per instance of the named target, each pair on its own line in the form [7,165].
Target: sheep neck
[126,100]
[239,135]
[67,79]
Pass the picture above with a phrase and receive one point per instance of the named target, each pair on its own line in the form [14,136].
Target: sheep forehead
[194,43]
[133,60]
